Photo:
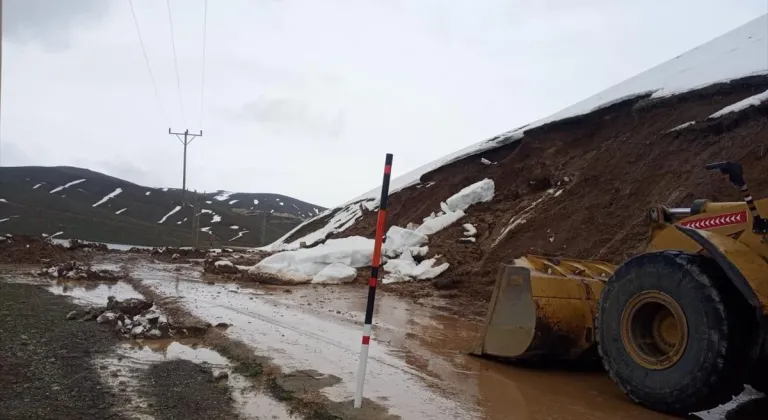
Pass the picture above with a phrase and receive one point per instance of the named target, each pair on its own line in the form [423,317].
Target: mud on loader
[680,328]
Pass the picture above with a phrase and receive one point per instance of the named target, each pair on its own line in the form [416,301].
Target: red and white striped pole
[375,263]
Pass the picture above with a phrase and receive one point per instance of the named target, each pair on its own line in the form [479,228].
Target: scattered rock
[222,325]
[175,257]
[107,318]
[221,375]
[133,306]
[155,333]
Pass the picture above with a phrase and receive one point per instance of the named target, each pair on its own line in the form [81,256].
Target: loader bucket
[543,308]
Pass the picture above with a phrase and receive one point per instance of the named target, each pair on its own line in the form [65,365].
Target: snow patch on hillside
[121,211]
[2,200]
[255,201]
[233,202]
[743,104]
[207,230]
[5,220]
[37,186]
[177,208]
[239,235]
[57,189]
[108,196]
[223,195]
[148,193]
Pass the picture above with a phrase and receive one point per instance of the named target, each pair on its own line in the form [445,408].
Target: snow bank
[743,104]
[57,189]
[335,273]
[177,208]
[478,192]
[113,194]
[121,211]
[303,264]
[739,53]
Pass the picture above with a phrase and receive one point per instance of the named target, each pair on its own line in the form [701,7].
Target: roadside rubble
[135,318]
[25,249]
[75,270]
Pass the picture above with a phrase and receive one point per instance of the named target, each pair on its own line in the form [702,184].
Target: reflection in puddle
[123,370]
[94,292]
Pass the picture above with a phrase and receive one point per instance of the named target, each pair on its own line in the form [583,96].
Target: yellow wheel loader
[680,328]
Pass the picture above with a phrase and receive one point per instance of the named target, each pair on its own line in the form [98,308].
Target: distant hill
[89,205]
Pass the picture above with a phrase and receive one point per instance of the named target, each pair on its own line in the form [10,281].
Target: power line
[202,84]
[176,62]
[146,61]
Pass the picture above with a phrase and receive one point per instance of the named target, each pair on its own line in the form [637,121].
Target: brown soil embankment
[611,165]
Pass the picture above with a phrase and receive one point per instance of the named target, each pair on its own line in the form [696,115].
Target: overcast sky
[304,98]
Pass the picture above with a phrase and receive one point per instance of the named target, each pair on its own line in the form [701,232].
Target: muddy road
[418,367]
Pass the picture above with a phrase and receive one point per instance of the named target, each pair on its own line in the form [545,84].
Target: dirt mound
[22,249]
[579,187]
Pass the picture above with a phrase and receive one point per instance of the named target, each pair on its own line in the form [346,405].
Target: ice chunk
[405,269]
[478,192]
[438,223]
[335,273]
[469,229]
[399,239]
[743,104]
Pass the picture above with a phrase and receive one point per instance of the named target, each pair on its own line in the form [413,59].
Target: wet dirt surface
[418,367]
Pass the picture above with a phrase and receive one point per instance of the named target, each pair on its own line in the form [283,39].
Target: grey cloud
[49,22]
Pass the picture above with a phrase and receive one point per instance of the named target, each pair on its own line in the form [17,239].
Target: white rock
[106,318]
[485,161]
[137,330]
[469,229]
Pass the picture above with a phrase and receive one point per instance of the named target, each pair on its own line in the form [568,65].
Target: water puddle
[123,372]
[94,292]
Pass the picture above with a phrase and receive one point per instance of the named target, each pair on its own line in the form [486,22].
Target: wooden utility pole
[195,221]
[186,140]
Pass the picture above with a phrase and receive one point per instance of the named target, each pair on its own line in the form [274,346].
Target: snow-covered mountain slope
[740,53]
[93,206]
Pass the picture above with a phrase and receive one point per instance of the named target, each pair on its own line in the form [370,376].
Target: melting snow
[234,227]
[233,202]
[255,201]
[317,211]
[148,193]
[223,195]
[469,229]
[4,220]
[405,268]
[754,100]
[121,210]
[57,189]
[177,208]
[207,230]
[109,196]
[165,189]
[37,186]
[2,200]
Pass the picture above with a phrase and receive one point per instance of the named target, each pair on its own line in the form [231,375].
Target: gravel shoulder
[181,389]
[45,361]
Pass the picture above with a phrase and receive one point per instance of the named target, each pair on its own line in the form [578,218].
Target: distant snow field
[109,196]
[57,189]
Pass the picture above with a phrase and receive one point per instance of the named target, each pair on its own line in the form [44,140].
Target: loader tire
[650,300]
